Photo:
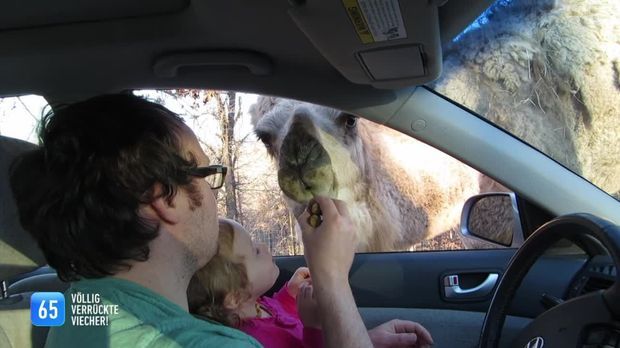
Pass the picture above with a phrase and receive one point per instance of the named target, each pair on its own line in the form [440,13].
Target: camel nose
[300,148]
[302,118]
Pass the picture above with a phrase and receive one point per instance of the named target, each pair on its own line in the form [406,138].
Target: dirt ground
[444,241]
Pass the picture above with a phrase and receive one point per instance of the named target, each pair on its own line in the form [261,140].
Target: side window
[223,124]
[402,194]
[19,116]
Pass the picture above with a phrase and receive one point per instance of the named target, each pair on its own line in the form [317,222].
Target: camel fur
[399,191]
[548,71]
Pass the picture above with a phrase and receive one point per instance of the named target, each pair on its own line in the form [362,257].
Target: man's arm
[342,324]
[329,250]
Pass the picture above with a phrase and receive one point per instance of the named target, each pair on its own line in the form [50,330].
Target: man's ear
[161,208]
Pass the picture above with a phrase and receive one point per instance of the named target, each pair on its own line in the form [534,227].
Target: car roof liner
[44,13]
[73,50]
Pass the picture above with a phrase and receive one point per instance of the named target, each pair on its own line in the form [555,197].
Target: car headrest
[19,252]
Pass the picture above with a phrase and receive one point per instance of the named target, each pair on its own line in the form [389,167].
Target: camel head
[394,203]
[317,149]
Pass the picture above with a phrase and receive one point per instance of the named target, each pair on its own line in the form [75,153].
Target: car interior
[323,52]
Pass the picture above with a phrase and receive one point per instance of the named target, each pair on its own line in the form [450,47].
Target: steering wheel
[564,324]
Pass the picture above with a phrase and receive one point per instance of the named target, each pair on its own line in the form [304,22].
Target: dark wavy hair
[79,193]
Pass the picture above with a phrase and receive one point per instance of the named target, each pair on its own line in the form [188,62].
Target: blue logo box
[47,309]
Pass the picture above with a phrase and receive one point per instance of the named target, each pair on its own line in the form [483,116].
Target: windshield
[549,73]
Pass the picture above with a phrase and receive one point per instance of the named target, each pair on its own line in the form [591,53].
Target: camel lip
[297,188]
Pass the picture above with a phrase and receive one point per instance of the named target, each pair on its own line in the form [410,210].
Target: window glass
[250,195]
[421,191]
[19,116]
[549,73]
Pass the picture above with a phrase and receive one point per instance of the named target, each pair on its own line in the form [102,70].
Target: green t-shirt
[112,313]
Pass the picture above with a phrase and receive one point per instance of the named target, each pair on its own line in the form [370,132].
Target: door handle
[453,290]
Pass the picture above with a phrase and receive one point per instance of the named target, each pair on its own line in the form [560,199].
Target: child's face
[262,271]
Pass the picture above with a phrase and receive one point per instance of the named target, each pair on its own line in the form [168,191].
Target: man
[117,199]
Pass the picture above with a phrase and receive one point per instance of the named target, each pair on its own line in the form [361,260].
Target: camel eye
[351,121]
[265,138]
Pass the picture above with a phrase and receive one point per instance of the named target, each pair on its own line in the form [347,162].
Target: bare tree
[250,194]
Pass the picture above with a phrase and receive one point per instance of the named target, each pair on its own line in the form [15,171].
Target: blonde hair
[224,274]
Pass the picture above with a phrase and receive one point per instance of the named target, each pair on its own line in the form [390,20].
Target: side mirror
[493,217]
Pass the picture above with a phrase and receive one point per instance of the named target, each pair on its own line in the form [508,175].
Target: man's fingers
[424,335]
[405,326]
[341,206]
[403,340]
[328,207]
[302,220]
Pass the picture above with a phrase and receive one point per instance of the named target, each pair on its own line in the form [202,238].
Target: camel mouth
[313,182]
[305,168]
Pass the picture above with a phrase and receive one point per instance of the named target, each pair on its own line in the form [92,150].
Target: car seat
[22,264]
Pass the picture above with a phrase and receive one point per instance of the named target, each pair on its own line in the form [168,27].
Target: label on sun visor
[376,20]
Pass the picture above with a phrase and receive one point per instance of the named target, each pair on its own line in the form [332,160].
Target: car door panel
[416,279]
[410,285]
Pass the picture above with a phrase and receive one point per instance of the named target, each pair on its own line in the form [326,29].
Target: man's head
[102,163]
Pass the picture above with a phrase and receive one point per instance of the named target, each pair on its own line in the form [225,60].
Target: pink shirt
[283,328]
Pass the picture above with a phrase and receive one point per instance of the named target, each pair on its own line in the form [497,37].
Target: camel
[394,199]
[548,71]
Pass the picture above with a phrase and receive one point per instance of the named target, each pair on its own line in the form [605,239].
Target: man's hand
[329,250]
[330,247]
[400,333]
[308,308]
[300,278]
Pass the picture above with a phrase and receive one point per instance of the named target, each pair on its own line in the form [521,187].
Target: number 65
[53,309]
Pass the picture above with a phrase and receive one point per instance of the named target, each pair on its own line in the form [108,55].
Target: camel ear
[262,106]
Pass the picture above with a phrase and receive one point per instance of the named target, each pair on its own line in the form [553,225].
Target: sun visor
[385,43]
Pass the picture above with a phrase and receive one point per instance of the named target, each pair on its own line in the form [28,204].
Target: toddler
[229,288]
